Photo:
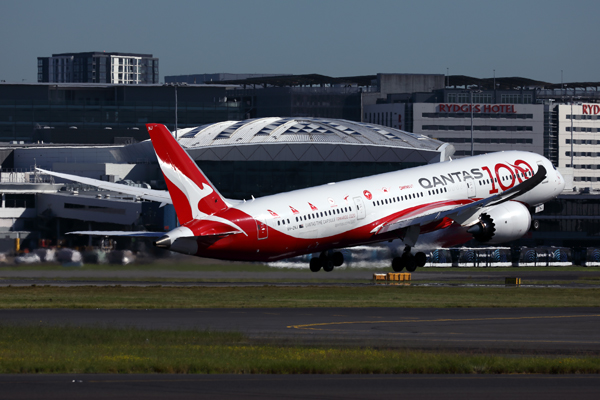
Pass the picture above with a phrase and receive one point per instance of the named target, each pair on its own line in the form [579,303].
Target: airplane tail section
[192,193]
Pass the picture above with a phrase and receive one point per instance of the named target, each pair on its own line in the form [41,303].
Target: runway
[153,386]
[511,330]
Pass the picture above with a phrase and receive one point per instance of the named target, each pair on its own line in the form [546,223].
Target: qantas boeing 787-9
[489,198]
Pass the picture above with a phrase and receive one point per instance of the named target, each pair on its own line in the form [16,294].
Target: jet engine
[502,223]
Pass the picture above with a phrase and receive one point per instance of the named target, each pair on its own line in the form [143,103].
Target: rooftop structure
[306,131]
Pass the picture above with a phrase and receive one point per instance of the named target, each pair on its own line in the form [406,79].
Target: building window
[511,98]
[13,200]
[482,98]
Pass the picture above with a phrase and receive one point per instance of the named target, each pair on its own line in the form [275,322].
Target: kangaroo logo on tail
[194,197]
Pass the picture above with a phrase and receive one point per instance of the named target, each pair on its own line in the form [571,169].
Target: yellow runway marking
[314,326]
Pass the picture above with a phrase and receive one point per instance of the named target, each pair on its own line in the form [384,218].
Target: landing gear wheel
[315,264]
[420,259]
[535,225]
[409,262]
[326,262]
[397,265]
[338,258]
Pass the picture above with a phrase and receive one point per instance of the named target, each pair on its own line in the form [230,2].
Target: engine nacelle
[502,223]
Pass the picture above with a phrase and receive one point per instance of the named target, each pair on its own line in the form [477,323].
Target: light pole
[472,151]
[572,116]
[175,86]
[572,166]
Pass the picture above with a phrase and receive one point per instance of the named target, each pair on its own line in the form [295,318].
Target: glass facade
[570,220]
[25,112]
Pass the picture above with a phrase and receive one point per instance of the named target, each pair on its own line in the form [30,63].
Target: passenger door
[360,208]
[262,228]
[470,187]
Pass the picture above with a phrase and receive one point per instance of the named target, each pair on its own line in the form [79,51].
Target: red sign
[368,195]
[477,108]
[312,207]
[294,210]
[591,109]
[273,213]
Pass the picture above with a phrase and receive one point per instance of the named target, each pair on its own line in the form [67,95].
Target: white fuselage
[334,206]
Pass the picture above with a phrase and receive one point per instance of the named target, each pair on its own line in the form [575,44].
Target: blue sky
[533,39]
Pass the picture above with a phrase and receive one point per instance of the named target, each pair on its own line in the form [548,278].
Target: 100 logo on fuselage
[516,172]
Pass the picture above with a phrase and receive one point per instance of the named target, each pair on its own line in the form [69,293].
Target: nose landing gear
[408,261]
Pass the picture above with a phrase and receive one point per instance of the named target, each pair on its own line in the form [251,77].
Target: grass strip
[100,350]
[292,297]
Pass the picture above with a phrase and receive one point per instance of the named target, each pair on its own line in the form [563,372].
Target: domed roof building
[270,155]
[309,139]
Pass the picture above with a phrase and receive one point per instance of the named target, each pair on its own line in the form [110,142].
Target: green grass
[292,297]
[98,350]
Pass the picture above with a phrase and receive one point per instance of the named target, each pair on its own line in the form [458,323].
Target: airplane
[489,198]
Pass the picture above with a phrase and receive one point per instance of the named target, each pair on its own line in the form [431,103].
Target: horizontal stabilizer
[161,196]
[119,233]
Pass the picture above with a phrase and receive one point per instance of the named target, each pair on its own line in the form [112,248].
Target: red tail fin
[192,193]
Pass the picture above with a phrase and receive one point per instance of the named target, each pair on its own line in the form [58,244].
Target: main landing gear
[327,260]
[408,261]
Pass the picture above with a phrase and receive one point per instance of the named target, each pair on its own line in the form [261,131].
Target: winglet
[193,195]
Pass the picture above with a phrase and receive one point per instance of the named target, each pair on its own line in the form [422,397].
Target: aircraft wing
[161,196]
[458,211]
